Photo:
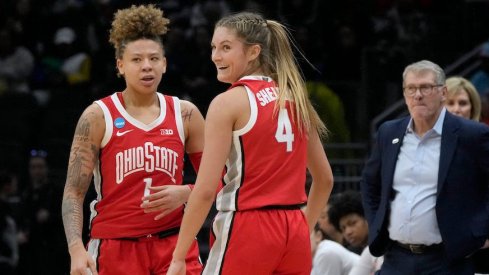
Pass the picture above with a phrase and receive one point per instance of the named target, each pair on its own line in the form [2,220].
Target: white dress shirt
[413,216]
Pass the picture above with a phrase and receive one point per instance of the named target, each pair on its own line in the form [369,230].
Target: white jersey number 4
[284,129]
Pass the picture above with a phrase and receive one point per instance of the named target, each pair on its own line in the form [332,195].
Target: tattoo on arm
[187,114]
[82,130]
[83,157]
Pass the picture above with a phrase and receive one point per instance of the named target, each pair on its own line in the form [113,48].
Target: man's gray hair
[426,65]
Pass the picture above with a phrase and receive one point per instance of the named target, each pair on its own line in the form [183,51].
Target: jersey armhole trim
[253,114]
[108,123]
[178,119]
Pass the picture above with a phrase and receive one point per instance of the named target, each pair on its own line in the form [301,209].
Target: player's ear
[164,64]
[120,67]
[254,52]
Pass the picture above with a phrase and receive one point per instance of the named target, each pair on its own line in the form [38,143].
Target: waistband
[282,207]
[419,248]
[159,235]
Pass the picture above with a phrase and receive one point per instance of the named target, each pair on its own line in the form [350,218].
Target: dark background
[358,49]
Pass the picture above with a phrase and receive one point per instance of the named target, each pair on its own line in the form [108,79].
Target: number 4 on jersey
[284,129]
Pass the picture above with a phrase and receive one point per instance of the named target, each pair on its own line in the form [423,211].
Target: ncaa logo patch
[119,122]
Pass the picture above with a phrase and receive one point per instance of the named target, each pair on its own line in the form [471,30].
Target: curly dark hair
[137,22]
[344,204]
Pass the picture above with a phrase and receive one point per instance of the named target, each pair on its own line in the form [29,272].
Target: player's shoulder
[231,103]
[188,108]
[187,105]
[92,121]
[93,111]
[232,96]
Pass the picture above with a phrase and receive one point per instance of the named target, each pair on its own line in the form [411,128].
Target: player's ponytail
[277,60]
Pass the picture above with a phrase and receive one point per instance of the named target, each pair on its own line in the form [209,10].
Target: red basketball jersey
[267,162]
[134,156]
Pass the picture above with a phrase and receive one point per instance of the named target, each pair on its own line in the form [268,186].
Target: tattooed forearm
[187,114]
[83,158]
[72,212]
[77,183]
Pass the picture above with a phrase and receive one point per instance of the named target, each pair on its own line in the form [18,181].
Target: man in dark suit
[425,187]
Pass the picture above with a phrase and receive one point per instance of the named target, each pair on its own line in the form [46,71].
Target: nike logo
[119,134]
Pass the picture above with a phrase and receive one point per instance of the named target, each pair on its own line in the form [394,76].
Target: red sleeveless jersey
[134,156]
[267,162]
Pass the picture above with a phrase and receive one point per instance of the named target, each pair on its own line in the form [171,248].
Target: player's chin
[224,78]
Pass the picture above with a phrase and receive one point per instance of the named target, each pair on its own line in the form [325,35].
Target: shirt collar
[437,128]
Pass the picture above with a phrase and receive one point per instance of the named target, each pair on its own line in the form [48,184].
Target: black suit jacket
[462,204]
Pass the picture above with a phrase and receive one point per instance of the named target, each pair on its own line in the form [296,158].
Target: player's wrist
[177,258]
[178,255]
[75,246]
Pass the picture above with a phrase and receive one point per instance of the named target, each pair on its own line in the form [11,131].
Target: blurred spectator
[44,247]
[9,254]
[412,26]
[24,17]
[485,108]
[64,69]
[347,216]
[75,65]
[330,257]
[462,98]
[480,78]
[328,230]
[9,194]
[16,64]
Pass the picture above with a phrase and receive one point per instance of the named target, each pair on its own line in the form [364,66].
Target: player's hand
[165,199]
[81,262]
[177,267]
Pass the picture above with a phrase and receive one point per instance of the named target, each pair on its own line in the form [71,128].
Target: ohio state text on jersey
[133,157]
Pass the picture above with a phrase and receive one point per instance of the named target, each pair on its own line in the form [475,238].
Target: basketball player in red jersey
[132,143]
[266,132]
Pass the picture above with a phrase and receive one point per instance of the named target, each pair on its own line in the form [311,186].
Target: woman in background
[462,98]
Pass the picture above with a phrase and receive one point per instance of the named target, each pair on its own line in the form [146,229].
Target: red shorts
[260,242]
[150,255]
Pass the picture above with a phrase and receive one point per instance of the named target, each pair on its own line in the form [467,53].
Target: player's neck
[138,100]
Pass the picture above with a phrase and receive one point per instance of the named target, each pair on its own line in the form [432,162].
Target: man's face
[424,107]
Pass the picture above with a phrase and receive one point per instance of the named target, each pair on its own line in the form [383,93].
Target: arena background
[358,49]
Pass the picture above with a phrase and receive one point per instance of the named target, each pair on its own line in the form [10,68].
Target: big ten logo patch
[166,132]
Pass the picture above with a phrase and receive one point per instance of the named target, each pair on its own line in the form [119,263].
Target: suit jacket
[462,203]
